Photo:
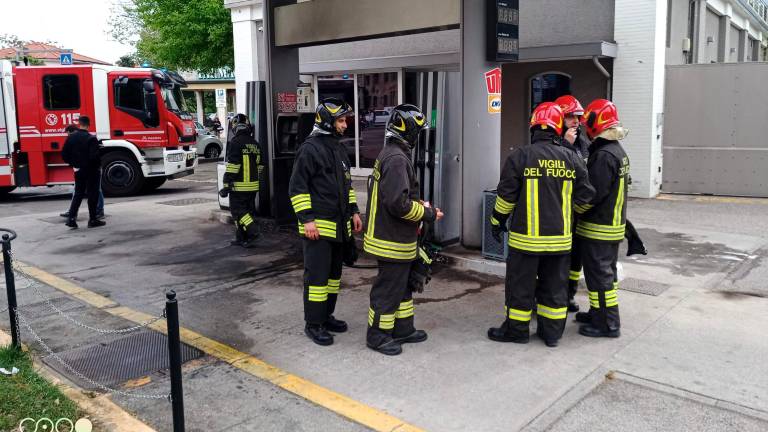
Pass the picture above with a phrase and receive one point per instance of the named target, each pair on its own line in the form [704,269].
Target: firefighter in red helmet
[540,185]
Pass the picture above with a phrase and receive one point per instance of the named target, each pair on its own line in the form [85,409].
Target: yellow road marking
[345,406]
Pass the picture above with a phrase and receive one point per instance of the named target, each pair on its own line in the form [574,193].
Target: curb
[106,415]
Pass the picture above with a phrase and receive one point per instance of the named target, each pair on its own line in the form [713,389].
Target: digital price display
[502,30]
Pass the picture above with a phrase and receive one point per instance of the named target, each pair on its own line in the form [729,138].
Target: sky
[81,25]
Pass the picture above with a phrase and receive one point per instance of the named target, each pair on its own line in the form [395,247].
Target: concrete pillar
[481,131]
[200,107]
[743,46]
[638,88]
[700,35]
[756,51]
[724,39]
[247,27]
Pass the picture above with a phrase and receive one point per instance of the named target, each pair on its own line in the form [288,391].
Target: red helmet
[601,115]
[570,105]
[548,114]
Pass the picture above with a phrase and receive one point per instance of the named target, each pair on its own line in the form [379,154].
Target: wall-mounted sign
[221,98]
[286,102]
[493,86]
[502,30]
[304,99]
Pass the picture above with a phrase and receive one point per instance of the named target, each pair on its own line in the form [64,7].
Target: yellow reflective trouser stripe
[494,221]
[246,187]
[233,168]
[519,314]
[246,220]
[301,202]
[567,189]
[582,208]
[540,243]
[574,275]
[386,249]
[611,297]
[405,310]
[386,322]
[600,232]
[317,293]
[371,315]
[552,313]
[416,213]
[424,257]
[532,206]
[619,204]
[352,197]
[326,228]
[503,206]
[333,286]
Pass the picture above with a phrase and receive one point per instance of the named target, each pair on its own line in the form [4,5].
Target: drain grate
[187,202]
[641,286]
[41,309]
[120,360]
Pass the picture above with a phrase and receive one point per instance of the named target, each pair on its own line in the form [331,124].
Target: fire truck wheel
[153,183]
[6,189]
[121,174]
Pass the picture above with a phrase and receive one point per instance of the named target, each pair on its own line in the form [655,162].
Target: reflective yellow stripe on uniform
[352,197]
[566,195]
[519,314]
[333,286]
[246,220]
[386,322]
[574,275]
[246,186]
[405,310]
[552,313]
[617,208]
[611,297]
[246,170]
[317,293]
[325,228]
[233,168]
[494,221]
[540,243]
[600,232]
[503,206]
[301,202]
[582,208]
[416,213]
[532,206]
[387,249]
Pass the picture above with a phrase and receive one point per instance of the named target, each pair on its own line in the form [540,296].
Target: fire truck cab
[138,115]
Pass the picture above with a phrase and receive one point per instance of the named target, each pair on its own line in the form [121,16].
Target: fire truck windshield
[174,101]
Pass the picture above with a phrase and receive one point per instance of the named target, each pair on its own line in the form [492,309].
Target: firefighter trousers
[322,279]
[602,282]
[549,291]
[391,310]
[243,208]
[575,271]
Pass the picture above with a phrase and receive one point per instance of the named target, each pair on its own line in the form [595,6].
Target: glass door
[341,87]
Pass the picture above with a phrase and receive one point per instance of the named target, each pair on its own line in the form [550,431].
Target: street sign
[65,58]
[221,98]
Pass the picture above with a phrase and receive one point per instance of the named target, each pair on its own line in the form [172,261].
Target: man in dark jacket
[241,179]
[82,152]
[602,227]
[326,206]
[394,214]
[540,185]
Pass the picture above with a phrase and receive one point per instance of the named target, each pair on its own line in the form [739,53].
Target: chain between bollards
[10,286]
[174,355]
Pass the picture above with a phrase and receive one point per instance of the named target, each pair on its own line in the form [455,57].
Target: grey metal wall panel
[714,134]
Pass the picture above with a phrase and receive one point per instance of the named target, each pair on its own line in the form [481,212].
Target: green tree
[177,34]
[126,61]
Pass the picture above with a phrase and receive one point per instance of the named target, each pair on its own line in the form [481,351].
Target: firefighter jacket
[605,216]
[244,166]
[394,210]
[540,185]
[321,188]
[581,145]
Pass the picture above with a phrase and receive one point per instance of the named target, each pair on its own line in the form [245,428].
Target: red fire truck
[138,115]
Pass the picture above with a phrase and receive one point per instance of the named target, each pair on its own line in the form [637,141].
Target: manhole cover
[643,286]
[120,360]
[187,201]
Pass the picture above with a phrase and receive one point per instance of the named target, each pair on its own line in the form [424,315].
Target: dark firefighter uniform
[541,184]
[581,148]
[394,214]
[602,227]
[321,192]
[241,179]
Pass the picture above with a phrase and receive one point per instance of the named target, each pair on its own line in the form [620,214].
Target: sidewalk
[691,355]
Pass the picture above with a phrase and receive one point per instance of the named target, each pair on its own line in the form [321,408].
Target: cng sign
[493,86]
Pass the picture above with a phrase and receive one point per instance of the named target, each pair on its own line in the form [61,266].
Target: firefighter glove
[224,192]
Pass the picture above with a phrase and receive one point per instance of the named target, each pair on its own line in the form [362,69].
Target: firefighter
[241,180]
[602,227]
[576,137]
[394,215]
[541,184]
[326,206]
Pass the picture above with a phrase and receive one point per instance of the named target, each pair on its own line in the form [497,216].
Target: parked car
[208,145]
[380,117]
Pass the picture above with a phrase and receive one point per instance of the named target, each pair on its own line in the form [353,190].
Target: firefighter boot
[504,334]
[591,331]
[548,342]
[415,337]
[583,317]
[387,346]
[318,334]
[335,325]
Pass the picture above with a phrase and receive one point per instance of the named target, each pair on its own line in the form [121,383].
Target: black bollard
[10,286]
[174,355]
